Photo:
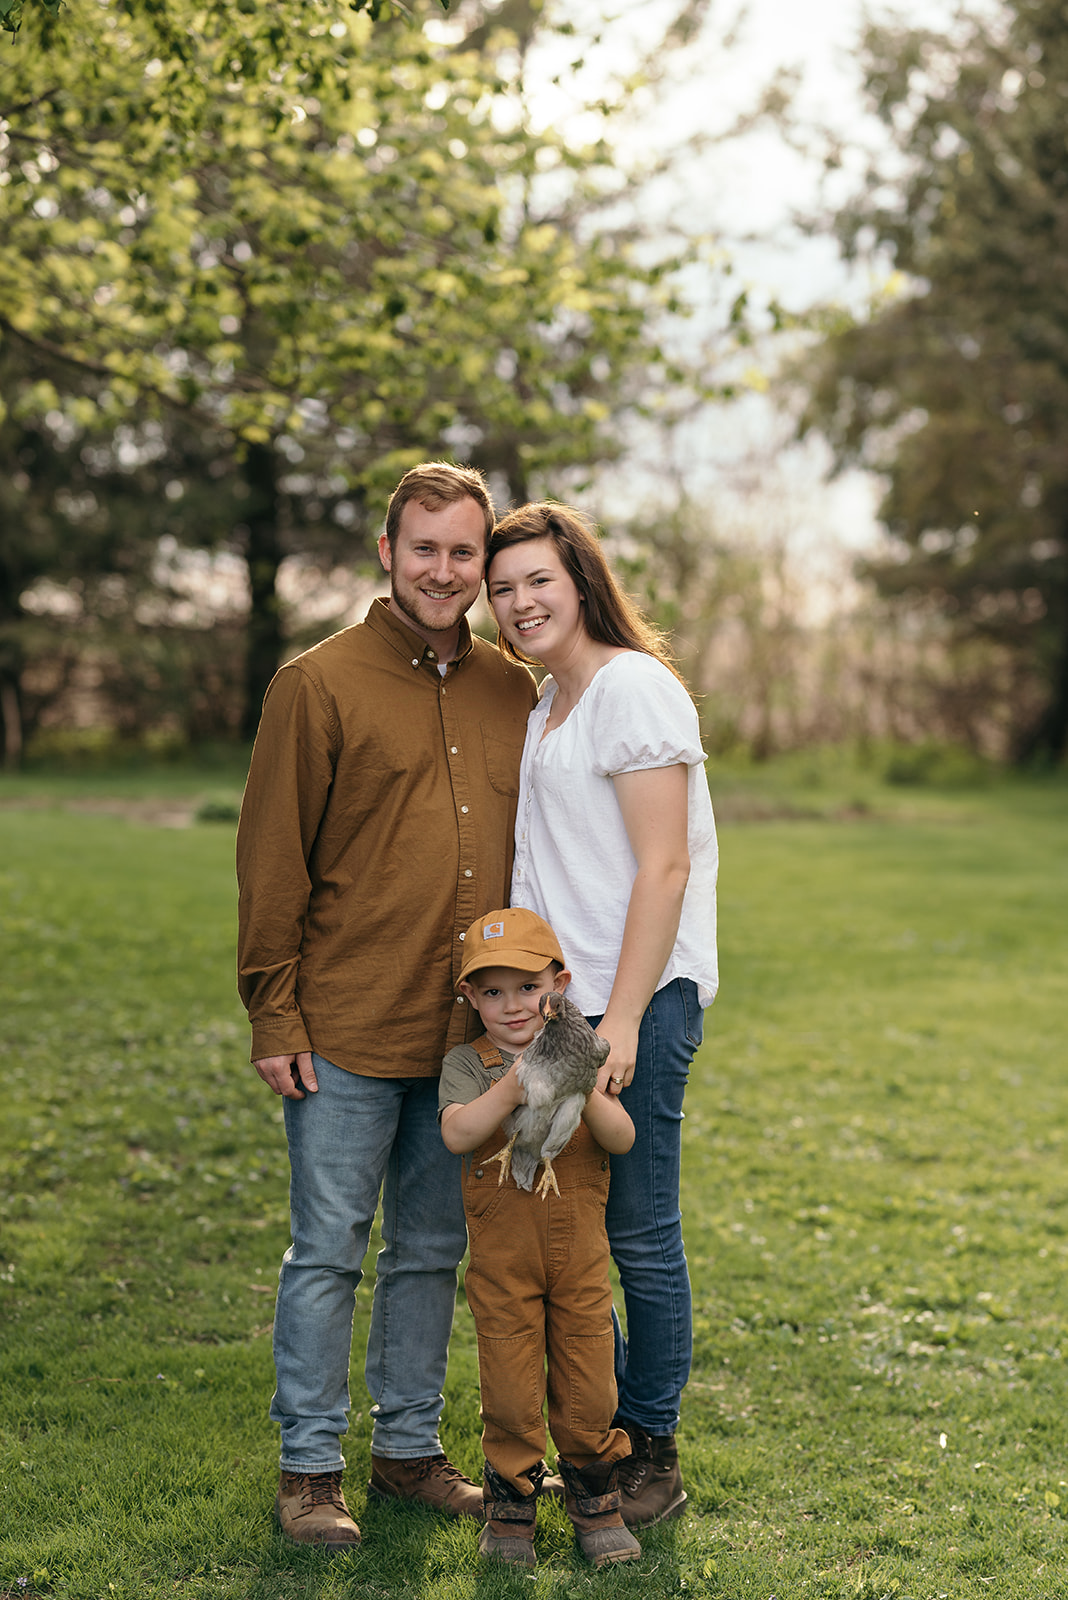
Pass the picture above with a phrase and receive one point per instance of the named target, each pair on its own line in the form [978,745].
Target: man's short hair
[435,484]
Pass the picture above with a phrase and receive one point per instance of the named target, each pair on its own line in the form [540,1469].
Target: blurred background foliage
[955,386]
[256,261]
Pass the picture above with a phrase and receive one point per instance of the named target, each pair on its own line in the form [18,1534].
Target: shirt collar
[407,642]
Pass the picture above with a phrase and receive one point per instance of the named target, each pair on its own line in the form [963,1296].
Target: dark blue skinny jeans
[644,1218]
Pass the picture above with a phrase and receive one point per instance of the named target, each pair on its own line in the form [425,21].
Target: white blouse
[573,862]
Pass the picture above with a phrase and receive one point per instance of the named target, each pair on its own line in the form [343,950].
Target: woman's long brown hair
[611,616]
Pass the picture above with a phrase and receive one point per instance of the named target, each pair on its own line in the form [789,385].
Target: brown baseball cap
[512,938]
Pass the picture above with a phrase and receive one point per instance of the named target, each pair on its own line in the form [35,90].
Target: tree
[93,594]
[327,271]
[12,11]
[956,385]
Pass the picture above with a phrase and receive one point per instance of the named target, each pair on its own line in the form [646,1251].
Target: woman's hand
[618,1070]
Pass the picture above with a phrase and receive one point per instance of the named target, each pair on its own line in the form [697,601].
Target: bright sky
[745,192]
[741,193]
[749,185]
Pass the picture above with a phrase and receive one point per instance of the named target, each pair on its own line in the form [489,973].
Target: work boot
[510,1516]
[311,1510]
[593,1504]
[431,1481]
[649,1478]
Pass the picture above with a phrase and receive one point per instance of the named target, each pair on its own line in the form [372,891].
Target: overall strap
[491,1056]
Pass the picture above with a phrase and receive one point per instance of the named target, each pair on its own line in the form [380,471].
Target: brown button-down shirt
[377,824]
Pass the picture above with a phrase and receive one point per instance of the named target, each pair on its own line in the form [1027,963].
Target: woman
[616,849]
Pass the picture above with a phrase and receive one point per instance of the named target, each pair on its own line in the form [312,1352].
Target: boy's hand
[512,1079]
[608,1121]
[464,1126]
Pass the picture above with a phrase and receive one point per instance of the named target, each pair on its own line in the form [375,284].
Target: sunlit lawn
[875,1190]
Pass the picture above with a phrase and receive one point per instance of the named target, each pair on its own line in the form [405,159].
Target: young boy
[537,1279]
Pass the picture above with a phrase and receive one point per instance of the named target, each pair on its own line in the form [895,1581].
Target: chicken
[558,1069]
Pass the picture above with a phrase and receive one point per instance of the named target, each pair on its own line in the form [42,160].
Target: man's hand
[284,1074]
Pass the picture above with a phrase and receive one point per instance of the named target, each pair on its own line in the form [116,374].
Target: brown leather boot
[649,1479]
[593,1504]
[431,1481]
[510,1517]
[311,1510]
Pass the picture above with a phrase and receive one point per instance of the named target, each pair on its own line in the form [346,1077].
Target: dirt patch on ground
[158,813]
[761,808]
[168,812]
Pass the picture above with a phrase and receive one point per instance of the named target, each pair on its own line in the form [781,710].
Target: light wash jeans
[644,1219]
[356,1137]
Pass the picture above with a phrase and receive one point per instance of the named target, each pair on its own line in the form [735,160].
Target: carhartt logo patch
[493,930]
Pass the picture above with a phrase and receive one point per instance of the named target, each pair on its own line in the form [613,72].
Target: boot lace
[323,1488]
[433,1467]
[632,1471]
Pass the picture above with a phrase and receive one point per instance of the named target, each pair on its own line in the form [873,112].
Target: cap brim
[522,960]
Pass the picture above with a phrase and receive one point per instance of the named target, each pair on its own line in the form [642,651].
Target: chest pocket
[502,762]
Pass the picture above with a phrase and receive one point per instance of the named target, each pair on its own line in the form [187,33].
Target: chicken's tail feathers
[524,1166]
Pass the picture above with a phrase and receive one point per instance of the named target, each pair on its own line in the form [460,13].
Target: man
[376,826]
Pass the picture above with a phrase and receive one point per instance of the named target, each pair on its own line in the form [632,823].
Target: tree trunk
[511,467]
[264,554]
[1057,715]
[11,718]
[1046,743]
[13,579]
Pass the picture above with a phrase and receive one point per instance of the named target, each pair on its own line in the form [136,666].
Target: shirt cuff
[279,1036]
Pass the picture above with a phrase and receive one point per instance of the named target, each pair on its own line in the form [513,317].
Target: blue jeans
[644,1219]
[358,1136]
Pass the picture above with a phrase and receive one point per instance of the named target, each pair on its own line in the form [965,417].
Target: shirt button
[463,936]
[465,809]
[478,1172]
[415,661]
[468,873]
[459,999]
[453,750]
[431,656]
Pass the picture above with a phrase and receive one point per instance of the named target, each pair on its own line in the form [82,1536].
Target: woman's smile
[534,598]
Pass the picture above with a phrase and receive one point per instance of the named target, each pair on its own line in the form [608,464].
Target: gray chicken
[558,1069]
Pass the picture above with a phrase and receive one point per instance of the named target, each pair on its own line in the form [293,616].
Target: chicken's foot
[505,1158]
[547,1181]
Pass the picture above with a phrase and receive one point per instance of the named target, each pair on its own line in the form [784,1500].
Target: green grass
[874,1192]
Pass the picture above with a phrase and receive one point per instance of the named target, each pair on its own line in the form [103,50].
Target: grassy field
[874,1190]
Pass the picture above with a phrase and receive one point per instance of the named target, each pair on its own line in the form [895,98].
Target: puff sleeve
[643,718]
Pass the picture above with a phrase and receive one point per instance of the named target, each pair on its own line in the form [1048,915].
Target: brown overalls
[537,1284]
